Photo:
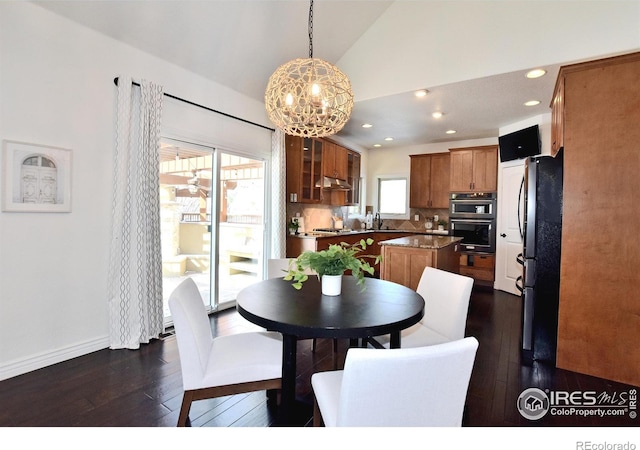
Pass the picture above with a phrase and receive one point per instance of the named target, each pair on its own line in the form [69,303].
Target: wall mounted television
[520,144]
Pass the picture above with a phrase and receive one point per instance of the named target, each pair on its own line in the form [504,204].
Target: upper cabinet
[334,161]
[304,169]
[353,177]
[474,169]
[429,181]
[309,160]
[557,117]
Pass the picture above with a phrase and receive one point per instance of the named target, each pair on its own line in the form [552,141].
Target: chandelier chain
[311,30]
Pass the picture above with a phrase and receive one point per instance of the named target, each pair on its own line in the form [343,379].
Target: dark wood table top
[382,308]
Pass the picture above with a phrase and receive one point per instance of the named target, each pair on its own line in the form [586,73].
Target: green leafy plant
[335,260]
[294,225]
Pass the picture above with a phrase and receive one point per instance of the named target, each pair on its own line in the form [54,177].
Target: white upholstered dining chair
[425,386]
[278,267]
[225,365]
[446,296]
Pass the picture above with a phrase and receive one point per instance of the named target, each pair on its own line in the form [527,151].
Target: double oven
[472,216]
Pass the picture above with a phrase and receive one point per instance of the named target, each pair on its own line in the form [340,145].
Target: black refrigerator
[541,230]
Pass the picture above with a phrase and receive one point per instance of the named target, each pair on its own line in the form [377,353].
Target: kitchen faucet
[378,221]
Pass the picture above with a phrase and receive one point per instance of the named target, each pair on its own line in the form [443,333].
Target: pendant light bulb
[289,99]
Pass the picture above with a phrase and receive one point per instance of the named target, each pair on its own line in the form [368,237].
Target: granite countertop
[314,235]
[422,241]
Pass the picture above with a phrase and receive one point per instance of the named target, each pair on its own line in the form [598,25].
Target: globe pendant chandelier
[309,97]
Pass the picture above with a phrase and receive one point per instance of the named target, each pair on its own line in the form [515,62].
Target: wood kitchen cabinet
[309,160]
[334,161]
[404,264]
[429,181]
[353,178]
[335,164]
[298,244]
[474,169]
[557,117]
[599,311]
[480,267]
[304,169]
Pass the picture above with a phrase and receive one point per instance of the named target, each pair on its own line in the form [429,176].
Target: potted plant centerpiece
[294,225]
[330,264]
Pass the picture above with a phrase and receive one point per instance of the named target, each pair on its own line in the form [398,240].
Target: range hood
[334,184]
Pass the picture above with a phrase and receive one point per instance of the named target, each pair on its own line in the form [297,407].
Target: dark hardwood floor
[125,388]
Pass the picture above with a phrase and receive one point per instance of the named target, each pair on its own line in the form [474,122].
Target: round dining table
[358,313]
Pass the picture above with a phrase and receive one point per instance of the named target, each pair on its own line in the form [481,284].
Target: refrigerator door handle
[519,201]
[519,286]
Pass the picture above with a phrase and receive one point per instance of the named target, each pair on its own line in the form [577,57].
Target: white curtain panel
[278,197]
[135,272]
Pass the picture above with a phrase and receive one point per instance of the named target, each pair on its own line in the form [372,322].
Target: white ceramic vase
[331,284]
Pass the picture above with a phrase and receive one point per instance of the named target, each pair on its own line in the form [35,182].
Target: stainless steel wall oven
[472,217]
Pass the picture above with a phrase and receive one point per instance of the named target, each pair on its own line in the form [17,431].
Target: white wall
[56,88]
[541,33]
[384,162]
[396,162]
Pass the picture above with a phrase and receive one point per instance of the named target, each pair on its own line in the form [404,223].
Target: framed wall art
[36,178]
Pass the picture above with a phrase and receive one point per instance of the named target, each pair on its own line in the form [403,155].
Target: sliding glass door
[239,225]
[212,213]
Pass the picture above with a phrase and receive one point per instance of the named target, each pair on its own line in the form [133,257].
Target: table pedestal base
[298,414]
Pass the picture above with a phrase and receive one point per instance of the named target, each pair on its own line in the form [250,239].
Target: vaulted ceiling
[470,55]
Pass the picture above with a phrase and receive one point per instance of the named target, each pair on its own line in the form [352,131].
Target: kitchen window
[392,198]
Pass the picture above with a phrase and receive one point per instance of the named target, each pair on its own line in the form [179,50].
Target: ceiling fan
[193,184]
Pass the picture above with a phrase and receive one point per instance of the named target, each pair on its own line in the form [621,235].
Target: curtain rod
[115,81]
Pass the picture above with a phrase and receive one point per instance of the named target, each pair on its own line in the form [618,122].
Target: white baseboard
[31,363]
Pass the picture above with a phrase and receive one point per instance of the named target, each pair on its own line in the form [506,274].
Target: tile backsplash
[319,216]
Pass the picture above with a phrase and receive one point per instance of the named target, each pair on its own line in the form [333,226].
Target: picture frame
[36,178]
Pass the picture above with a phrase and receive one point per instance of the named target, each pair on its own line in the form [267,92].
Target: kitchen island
[404,258]
[314,241]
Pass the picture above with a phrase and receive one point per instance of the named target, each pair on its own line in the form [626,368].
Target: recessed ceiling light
[388,139]
[450,131]
[366,125]
[436,115]
[532,103]
[421,93]
[536,73]
[377,145]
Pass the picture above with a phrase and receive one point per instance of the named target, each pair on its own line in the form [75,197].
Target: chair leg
[183,418]
[317,416]
[313,346]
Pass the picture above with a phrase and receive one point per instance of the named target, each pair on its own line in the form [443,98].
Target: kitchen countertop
[422,241]
[314,235]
